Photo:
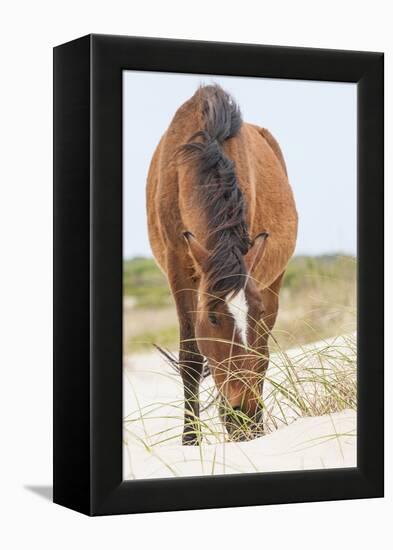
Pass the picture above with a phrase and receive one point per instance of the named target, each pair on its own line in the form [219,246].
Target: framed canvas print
[218,274]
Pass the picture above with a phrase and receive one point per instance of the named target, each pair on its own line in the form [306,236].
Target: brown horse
[222,226]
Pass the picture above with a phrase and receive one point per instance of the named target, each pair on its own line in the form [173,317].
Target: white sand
[153,411]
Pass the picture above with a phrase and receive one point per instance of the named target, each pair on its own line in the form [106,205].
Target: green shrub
[145,282]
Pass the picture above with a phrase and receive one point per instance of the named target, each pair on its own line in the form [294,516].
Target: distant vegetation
[145,282]
[310,271]
[318,299]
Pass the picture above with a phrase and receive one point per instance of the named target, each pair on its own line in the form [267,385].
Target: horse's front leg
[191,366]
[184,290]
[270,298]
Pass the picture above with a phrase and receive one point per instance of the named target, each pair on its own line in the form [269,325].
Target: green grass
[145,282]
[166,337]
[317,300]
[309,272]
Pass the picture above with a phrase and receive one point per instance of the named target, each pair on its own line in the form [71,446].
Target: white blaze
[238,308]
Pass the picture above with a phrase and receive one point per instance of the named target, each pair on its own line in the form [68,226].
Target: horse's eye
[213,319]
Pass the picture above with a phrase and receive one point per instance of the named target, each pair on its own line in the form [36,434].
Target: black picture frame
[88,274]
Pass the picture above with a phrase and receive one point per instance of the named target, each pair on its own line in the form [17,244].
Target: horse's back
[263,178]
[172,193]
[167,185]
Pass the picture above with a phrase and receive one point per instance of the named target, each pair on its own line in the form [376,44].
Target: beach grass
[313,380]
[312,370]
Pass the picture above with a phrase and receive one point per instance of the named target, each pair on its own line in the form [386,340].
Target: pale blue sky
[314,122]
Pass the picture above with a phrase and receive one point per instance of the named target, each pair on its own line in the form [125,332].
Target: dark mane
[220,195]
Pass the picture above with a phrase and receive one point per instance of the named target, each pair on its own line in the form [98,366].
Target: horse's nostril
[237,408]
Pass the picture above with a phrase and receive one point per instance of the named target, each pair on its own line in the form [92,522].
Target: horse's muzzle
[242,427]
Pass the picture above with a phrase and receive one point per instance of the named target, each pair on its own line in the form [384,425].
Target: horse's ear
[254,255]
[198,252]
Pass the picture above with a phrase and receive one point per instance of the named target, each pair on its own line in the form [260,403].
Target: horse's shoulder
[272,142]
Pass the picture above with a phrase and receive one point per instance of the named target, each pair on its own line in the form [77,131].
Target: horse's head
[231,335]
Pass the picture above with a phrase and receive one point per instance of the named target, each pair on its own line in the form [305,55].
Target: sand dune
[153,401]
